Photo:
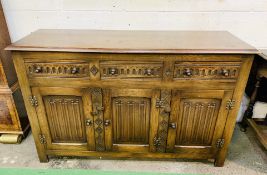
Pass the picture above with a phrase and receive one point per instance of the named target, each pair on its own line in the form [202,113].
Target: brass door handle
[113,71]
[172,125]
[188,72]
[88,122]
[225,73]
[38,69]
[74,70]
[107,122]
[148,72]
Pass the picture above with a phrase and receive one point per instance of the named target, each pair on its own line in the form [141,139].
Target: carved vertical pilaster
[96,94]
[164,115]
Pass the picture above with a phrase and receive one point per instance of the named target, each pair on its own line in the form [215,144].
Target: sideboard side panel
[26,93]
[231,120]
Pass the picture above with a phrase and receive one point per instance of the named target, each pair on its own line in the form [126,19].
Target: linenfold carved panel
[130,69]
[131,120]
[206,70]
[64,70]
[65,118]
[196,121]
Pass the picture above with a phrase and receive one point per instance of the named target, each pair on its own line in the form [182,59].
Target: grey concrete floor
[245,157]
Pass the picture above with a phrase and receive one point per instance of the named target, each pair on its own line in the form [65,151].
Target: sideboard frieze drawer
[131,70]
[58,70]
[206,70]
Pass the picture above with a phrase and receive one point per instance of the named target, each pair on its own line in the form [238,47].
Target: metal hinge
[159,103]
[230,104]
[42,139]
[33,101]
[220,143]
[156,141]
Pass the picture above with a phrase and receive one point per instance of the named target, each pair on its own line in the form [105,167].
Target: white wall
[246,19]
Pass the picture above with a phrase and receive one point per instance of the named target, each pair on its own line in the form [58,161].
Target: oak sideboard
[132,94]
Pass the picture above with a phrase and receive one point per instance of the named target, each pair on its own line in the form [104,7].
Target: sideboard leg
[43,158]
[219,162]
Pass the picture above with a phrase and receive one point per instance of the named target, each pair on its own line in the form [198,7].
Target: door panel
[65,118]
[131,115]
[196,121]
[199,117]
[130,120]
[62,117]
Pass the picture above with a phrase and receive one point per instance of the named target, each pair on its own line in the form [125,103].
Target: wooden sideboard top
[108,41]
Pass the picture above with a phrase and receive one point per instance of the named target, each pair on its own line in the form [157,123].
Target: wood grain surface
[132,42]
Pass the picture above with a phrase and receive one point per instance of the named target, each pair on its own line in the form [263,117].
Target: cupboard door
[129,119]
[199,119]
[62,117]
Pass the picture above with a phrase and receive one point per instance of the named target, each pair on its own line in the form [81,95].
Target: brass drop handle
[38,69]
[112,71]
[225,73]
[188,72]
[88,122]
[172,125]
[74,70]
[148,72]
[107,122]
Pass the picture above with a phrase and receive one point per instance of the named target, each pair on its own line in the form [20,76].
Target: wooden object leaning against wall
[14,122]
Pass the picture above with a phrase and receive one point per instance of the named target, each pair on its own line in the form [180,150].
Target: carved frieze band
[206,71]
[58,69]
[96,95]
[131,70]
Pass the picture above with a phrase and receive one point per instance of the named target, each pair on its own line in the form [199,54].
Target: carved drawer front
[131,70]
[58,69]
[206,70]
